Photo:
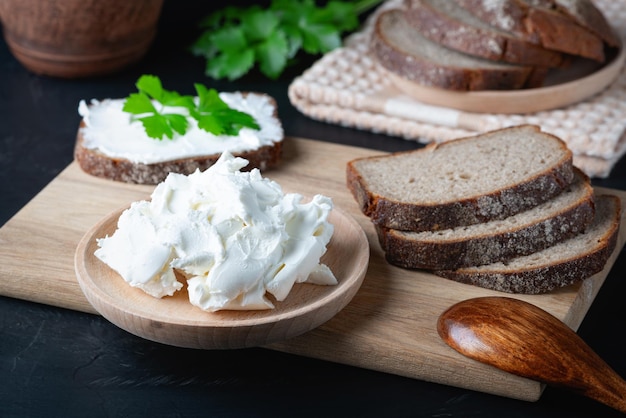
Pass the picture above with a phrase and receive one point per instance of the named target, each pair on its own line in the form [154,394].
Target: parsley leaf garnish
[155,121]
[212,113]
[234,39]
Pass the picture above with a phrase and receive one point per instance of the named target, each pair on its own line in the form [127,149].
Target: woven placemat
[347,87]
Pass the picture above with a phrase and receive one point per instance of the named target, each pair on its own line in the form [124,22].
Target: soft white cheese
[109,130]
[233,235]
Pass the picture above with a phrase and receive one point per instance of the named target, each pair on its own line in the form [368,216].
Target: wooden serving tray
[389,326]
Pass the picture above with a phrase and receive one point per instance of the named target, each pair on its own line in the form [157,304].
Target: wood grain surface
[390,325]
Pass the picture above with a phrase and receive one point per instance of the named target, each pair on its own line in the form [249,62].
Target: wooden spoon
[525,340]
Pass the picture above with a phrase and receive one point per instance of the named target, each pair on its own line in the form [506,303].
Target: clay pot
[79,38]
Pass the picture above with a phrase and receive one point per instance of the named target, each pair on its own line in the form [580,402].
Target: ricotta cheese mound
[235,236]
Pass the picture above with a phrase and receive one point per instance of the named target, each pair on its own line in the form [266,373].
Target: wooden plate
[580,81]
[174,321]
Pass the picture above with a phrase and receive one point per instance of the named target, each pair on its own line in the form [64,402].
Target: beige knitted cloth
[344,86]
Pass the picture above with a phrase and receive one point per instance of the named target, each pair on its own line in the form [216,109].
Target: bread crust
[548,277]
[539,25]
[428,73]
[415,216]
[490,44]
[586,14]
[521,239]
[97,164]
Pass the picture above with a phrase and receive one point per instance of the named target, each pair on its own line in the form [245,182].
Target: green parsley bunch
[234,39]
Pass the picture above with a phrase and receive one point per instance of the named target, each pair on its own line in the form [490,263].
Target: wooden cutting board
[389,326]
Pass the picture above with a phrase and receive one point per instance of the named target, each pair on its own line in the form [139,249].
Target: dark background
[59,363]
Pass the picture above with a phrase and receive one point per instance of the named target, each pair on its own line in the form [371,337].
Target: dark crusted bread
[462,182]
[96,163]
[540,24]
[560,265]
[587,15]
[447,23]
[560,218]
[401,49]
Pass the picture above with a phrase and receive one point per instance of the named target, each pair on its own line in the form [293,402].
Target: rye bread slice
[404,51]
[557,266]
[560,218]
[584,13]
[461,182]
[98,164]
[119,169]
[587,15]
[447,23]
[538,24]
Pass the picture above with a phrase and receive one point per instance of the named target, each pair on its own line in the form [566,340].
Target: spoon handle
[522,339]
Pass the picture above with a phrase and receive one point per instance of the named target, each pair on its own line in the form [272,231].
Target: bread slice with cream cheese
[108,145]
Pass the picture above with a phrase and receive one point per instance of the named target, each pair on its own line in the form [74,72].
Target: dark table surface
[60,363]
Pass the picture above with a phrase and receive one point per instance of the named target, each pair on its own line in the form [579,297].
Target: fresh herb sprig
[235,39]
[212,113]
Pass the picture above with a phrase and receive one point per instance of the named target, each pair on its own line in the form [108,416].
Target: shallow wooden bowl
[174,321]
[580,81]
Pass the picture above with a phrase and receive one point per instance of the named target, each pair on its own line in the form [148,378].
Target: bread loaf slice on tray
[530,231]
[540,24]
[447,23]
[109,146]
[587,15]
[402,50]
[560,265]
[462,182]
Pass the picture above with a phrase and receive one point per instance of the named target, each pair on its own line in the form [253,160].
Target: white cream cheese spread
[110,130]
[233,235]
